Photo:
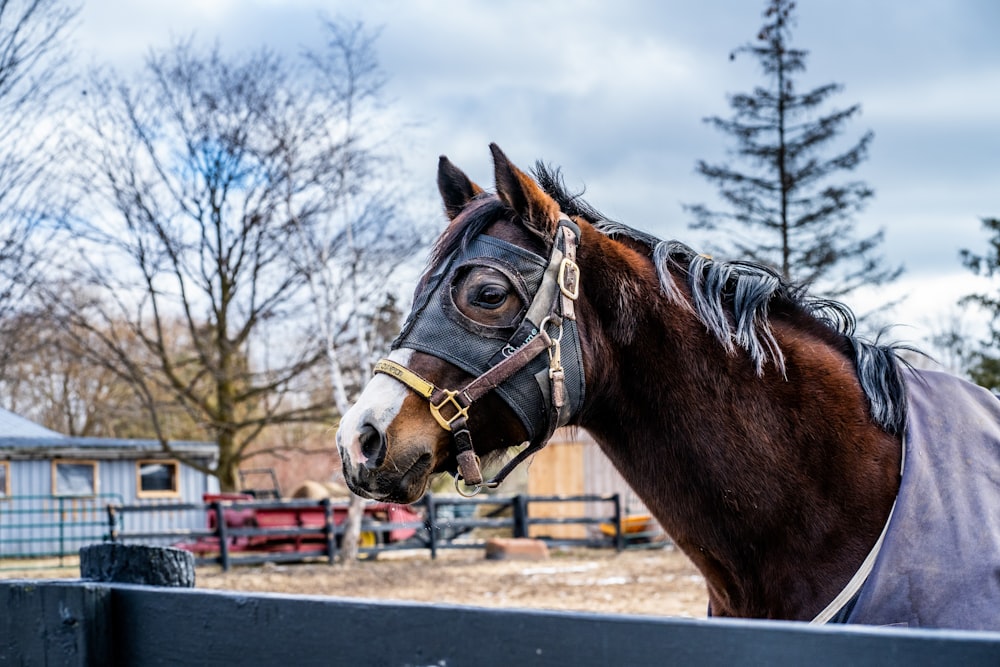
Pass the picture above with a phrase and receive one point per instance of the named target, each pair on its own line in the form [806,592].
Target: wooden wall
[573,464]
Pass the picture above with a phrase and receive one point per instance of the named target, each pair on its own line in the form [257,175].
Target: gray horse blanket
[939,565]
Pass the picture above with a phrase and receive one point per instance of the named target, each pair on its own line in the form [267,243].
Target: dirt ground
[660,582]
[652,582]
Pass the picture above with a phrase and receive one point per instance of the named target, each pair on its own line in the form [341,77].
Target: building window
[4,479]
[157,479]
[74,478]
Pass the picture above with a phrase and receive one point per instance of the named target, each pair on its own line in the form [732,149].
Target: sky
[615,94]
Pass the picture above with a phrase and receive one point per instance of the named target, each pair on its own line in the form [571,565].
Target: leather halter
[554,301]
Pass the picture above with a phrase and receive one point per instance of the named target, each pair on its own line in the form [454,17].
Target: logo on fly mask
[524,335]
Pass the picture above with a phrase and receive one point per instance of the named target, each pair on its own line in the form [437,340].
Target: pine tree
[784,211]
[983,364]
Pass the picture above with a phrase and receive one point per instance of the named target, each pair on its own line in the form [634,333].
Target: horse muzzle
[381,466]
[387,485]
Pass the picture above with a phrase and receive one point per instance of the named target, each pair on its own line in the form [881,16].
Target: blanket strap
[853,586]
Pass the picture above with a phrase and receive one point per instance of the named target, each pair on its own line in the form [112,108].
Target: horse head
[490,350]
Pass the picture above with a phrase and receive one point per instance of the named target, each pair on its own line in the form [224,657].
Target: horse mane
[735,301]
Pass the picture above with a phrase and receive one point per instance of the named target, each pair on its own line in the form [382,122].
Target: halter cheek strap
[450,408]
[553,302]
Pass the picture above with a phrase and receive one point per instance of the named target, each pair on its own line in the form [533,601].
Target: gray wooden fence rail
[81,623]
[107,623]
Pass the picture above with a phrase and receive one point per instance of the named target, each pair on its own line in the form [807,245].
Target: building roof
[22,438]
[16,426]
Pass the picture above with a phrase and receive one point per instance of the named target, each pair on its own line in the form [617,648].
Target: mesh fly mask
[544,391]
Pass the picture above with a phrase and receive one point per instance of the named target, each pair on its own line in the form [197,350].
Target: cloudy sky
[614,93]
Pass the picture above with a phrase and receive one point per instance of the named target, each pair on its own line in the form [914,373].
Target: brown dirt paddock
[658,582]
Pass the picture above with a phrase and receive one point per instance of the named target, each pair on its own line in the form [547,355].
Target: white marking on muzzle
[378,405]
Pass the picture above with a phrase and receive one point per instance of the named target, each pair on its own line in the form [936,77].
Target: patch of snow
[558,570]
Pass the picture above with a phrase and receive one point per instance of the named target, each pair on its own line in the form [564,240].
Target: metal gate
[46,526]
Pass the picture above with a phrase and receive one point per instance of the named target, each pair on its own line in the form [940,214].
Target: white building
[55,488]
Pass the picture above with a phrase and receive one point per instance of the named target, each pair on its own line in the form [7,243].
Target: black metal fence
[45,526]
[240,532]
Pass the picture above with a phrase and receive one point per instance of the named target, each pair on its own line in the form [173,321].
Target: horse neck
[776,486]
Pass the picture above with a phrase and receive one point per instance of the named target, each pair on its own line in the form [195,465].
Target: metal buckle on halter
[569,269]
[449,397]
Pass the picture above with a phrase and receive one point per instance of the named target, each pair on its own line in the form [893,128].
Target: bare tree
[953,341]
[198,174]
[54,382]
[347,258]
[32,69]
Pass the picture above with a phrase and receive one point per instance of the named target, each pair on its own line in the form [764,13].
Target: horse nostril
[372,445]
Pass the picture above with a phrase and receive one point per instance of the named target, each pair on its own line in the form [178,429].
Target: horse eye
[490,296]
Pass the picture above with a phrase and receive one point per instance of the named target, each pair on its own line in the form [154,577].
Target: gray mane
[736,300]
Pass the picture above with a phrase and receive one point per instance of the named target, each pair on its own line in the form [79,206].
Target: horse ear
[455,187]
[521,193]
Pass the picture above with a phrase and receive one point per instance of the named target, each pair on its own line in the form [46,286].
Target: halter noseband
[553,302]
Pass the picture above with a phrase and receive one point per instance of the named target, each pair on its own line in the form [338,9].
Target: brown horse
[760,431]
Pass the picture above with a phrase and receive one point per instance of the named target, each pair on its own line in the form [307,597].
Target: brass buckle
[449,397]
[569,268]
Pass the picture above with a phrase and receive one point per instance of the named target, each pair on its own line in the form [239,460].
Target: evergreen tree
[983,364]
[784,211]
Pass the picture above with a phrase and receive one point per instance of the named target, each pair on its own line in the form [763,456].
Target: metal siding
[33,522]
[35,526]
[49,525]
[117,477]
[173,521]
[30,478]
[191,484]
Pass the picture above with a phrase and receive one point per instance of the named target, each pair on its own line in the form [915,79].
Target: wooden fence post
[329,530]
[71,622]
[112,522]
[55,623]
[619,533]
[220,532]
[520,503]
[431,521]
[112,562]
